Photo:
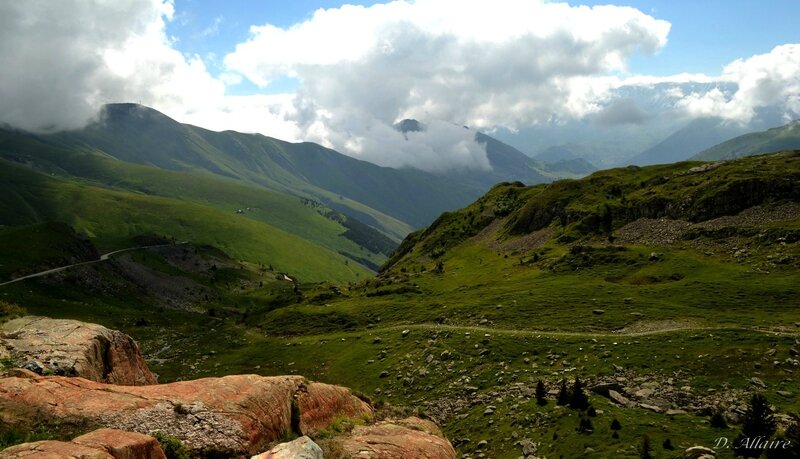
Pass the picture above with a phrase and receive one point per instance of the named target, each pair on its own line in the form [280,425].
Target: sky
[343,73]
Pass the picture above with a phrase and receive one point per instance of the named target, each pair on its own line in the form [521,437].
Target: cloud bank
[448,63]
[509,63]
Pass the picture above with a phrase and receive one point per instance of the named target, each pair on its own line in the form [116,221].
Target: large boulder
[238,414]
[73,348]
[411,437]
[301,448]
[100,444]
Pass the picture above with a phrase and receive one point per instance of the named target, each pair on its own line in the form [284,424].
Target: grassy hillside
[779,138]
[675,286]
[390,199]
[114,218]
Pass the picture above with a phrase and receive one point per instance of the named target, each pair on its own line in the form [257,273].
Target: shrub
[173,448]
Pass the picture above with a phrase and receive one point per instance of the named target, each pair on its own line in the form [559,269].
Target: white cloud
[506,63]
[60,61]
[764,80]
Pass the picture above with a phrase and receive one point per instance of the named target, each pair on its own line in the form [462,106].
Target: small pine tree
[563,394]
[667,445]
[615,435]
[578,399]
[758,422]
[591,412]
[615,425]
[718,421]
[585,426]
[541,393]
[646,449]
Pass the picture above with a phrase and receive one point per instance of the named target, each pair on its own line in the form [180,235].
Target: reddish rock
[52,449]
[73,348]
[100,444]
[122,445]
[240,414]
[320,404]
[410,437]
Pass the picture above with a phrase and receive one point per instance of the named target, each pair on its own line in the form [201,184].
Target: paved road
[103,257]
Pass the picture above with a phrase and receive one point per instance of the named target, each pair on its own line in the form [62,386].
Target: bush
[173,448]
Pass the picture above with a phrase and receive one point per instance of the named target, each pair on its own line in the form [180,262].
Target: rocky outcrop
[100,444]
[319,404]
[73,348]
[411,437]
[238,414]
[301,448]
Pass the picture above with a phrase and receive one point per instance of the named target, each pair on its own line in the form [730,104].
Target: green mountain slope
[389,199]
[675,286]
[114,218]
[302,217]
[779,138]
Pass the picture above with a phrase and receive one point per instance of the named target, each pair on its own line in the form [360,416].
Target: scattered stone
[757,382]
[405,332]
[377,340]
[794,352]
[383,374]
[528,446]
[489,410]
[653,408]
[619,398]
[783,393]
[598,312]
[482,444]
[697,452]
[34,366]
[483,352]
[674,412]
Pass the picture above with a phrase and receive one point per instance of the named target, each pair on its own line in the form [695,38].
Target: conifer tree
[541,393]
[758,426]
[578,399]
[563,394]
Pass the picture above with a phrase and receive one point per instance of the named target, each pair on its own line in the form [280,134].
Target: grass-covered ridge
[113,219]
[674,285]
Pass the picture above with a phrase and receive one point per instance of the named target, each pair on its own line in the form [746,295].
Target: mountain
[507,163]
[113,218]
[688,141]
[351,210]
[779,138]
[670,285]
[390,199]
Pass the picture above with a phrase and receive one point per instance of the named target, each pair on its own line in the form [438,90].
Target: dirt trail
[647,328]
[103,257]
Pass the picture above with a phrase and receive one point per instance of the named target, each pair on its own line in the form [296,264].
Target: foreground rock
[411,437]
[100,444]
[238,415]
[73,348]
[302,448]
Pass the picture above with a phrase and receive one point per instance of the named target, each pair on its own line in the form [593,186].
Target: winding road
[103,257]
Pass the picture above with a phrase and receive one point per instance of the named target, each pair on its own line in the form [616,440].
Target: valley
[670,291]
